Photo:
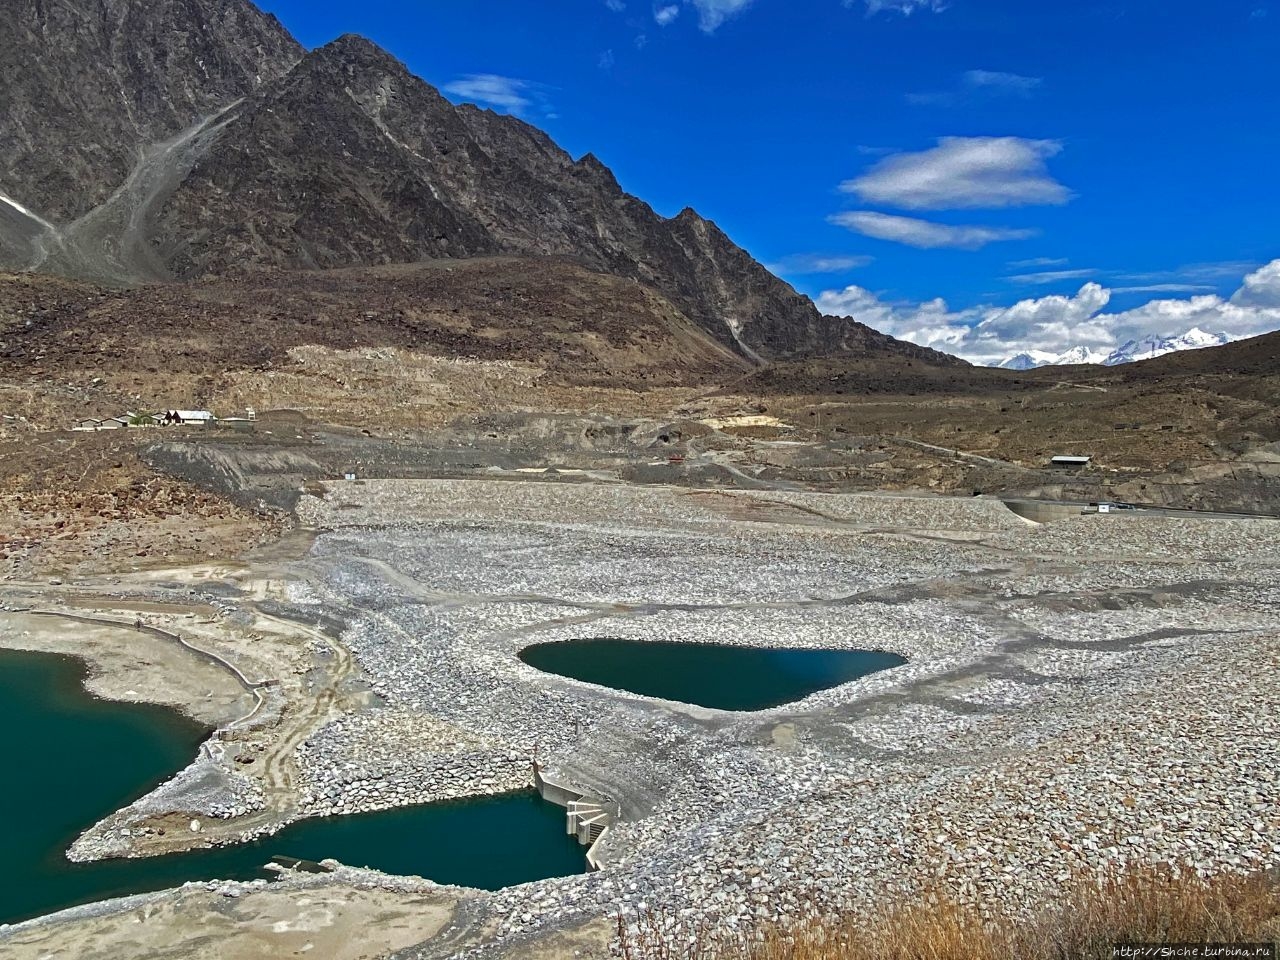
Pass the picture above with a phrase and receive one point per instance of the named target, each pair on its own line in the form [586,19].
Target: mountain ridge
[347,159]
[1132,351]
[71,135]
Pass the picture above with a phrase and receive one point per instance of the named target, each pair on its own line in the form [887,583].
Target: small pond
[73,759]
[713,675]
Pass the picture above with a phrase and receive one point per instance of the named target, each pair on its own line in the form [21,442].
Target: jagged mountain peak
[1153,346]
[342,157]
[1132,351]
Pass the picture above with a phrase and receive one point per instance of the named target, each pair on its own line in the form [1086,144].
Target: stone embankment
[206,789]
[394,758]
[1079,696]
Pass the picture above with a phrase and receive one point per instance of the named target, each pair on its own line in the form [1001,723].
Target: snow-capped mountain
[1080,355]
[1027,361]
[1150,347]
[1131,352]
[1038,358]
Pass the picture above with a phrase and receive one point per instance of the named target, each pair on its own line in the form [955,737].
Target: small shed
[1065,462]
[88,423]
[114,423]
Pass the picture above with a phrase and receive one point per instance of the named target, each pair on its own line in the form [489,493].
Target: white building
[189,418]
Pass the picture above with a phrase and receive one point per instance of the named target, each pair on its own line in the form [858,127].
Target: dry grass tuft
[1147,905]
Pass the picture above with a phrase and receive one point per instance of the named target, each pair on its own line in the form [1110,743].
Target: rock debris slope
[87,84]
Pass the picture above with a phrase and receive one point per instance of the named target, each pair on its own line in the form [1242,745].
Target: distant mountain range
[1131,352]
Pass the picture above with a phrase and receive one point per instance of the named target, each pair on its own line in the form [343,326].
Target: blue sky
[1069,161]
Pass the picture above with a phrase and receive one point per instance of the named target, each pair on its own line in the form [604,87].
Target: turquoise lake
[74,759]
[720,676]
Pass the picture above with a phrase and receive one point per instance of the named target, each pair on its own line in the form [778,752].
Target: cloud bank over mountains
[1058,323]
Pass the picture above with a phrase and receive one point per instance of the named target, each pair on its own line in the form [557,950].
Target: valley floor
[1082,695]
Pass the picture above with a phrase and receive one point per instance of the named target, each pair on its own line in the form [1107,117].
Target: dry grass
[1137,906]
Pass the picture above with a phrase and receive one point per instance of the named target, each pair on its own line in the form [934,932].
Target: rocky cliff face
[350,159]
[86,84]
[341,159]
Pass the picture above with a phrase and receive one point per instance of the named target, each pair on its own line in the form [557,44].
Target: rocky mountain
[1078,355]
[1027,361]
[1034,359]
[218,146]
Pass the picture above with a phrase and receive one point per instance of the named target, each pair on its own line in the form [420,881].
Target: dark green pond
[707,674]
[72,759]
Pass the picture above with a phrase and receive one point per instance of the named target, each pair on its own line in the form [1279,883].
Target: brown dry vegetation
[413,344]
[85,503]
[398,348]
[1140,906]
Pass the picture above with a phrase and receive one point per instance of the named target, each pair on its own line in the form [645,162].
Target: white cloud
[1197,273]
[999,82]
[617,6]
[667,14]
[925,234]
[1261,288]
[1039,262]
[904,7]
[607,60]
[807,263]
[1164,288]
[965,173]
[1050,276]
[490,89]
[712,13]
[978,84]
[1054,324]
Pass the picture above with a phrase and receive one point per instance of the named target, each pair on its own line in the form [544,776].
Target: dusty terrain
[477,355]
[77,503]
[132,665]
[342,921]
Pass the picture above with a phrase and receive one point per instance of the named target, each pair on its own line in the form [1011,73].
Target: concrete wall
[554,792]
[1043,511]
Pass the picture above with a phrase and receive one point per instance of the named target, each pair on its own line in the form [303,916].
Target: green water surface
[710,675]
[72,759]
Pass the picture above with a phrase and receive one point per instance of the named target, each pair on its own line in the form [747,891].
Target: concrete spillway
[587,818]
